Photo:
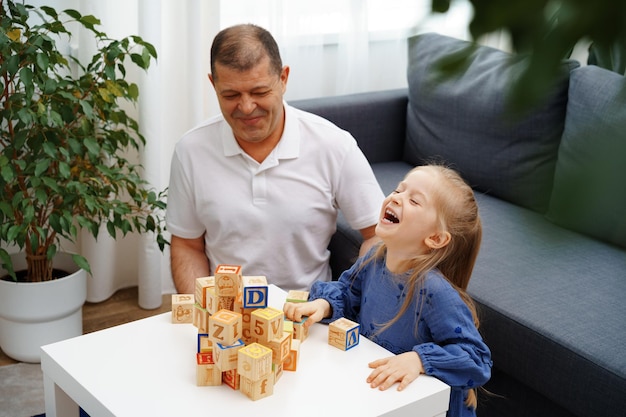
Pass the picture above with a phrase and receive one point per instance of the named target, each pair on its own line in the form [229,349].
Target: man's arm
[369,239]
[188,262]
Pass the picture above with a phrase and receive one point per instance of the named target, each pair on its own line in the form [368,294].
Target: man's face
[252,101]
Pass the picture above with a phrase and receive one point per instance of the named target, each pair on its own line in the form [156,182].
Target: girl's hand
[404,368]
[315,310]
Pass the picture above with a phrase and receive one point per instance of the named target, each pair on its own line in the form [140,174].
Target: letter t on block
[343,334]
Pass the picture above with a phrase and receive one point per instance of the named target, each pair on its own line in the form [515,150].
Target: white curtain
[332,46]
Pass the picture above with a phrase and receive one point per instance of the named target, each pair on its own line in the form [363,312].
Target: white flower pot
[36,314]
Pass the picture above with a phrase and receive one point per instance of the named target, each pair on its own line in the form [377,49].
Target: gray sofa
[550,280]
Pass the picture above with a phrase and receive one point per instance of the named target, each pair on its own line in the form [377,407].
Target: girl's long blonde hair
[457,213]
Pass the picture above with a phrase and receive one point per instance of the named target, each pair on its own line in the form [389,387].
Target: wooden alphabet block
[214,303]
[257,389]
[291,362]
[211,300]
[225,327]
[295,296]
[205,358]
[202,284]
[225,303]
[225,356]
[200,318]
[204,343]
[231,378]
[182,308]
[288,326]
[227,280]
[208,375]
[246,317]
[300,331]
[266,324]
[277,368]
[281,346]
[343,333]
[254,291]
[254,361]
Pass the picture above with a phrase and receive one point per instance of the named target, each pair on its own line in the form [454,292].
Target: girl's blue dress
[446,339]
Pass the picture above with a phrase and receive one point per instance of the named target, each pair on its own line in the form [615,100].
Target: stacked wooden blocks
[242,342]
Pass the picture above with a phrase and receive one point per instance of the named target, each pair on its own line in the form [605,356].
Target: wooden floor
[121,308]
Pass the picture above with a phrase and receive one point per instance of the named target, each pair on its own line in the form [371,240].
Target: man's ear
[284,77]
[211,79]
[438,240]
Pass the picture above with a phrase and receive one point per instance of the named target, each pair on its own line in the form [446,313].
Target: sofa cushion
[589,192]
[552,308]
[466,122]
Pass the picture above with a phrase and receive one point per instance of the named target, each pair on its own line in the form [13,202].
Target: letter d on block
[255,297]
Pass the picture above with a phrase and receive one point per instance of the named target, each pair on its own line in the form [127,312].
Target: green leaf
[41,167]
[64,169]
[89,20]
[82,262]
[50,12]
[74,14]
[5,207]
[13,65]
[42,62]
[52,184]
[111,229]
[55,223]
[52,250]
[14,232]
[29,213]
[87,109]
[106,96]
[50,86]
[26,76]
[7,173]
[7,264]
[49,149]
[25,116]
[92,146]
[56,119]
[114,88]
[109,71]
[133,91]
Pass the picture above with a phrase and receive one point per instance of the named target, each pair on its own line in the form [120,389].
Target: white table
[147,368]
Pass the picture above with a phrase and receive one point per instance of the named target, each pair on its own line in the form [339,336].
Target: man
[260,185]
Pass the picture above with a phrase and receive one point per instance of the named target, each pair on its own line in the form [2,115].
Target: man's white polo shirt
[274,218]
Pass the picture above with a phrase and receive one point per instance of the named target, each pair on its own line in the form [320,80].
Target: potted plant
[64,145]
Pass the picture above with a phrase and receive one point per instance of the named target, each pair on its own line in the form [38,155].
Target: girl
[408,294]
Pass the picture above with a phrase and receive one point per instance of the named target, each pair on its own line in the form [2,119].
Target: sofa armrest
[377,120]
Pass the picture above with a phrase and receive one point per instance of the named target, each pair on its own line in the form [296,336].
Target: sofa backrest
[377,120]
[466,122]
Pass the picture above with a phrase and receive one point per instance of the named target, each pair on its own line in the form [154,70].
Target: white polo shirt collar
[288,147]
